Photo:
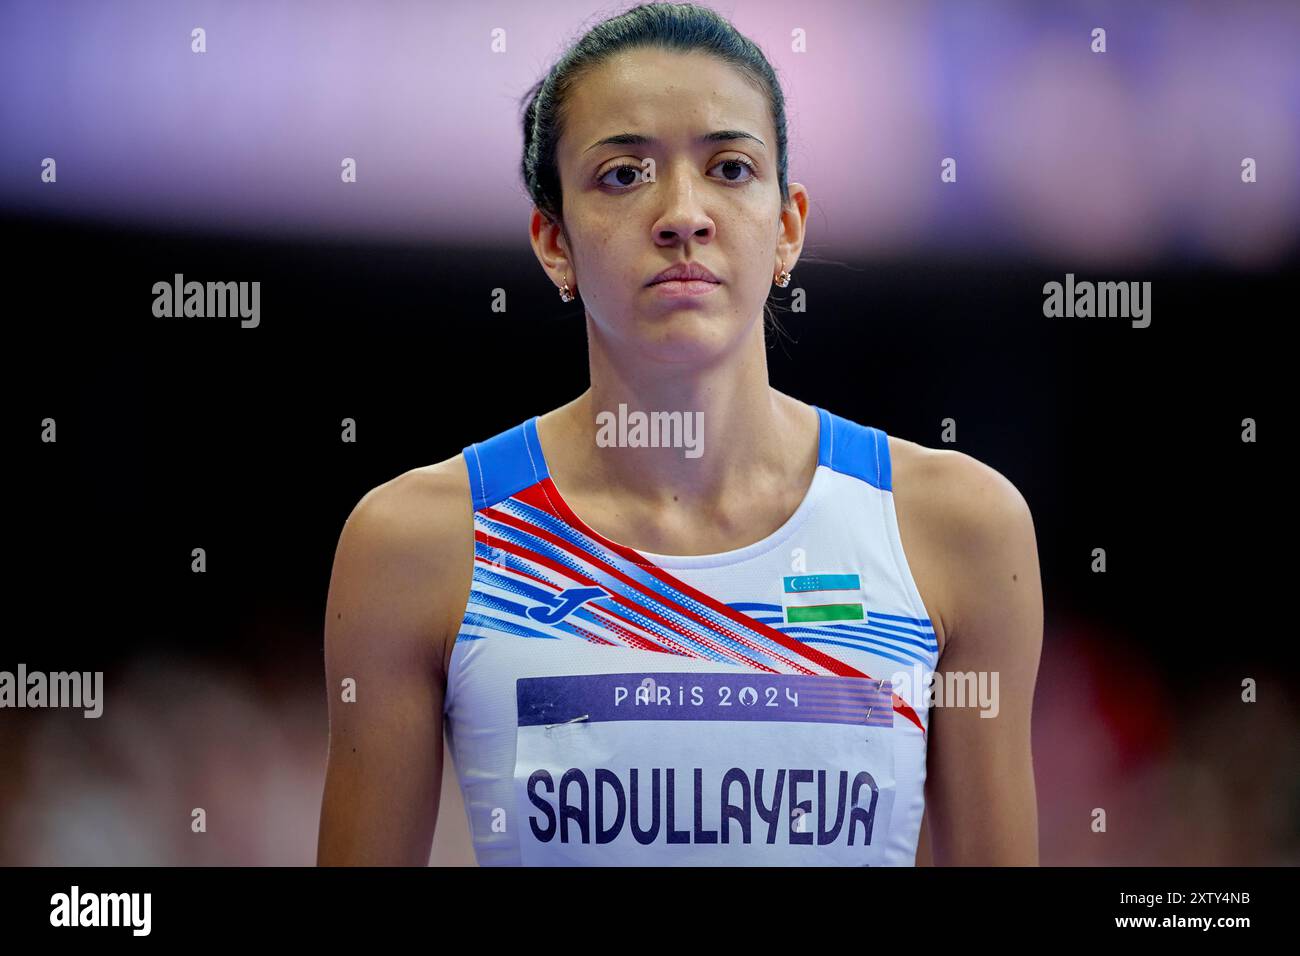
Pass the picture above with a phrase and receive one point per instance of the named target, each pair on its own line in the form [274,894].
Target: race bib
[674,769]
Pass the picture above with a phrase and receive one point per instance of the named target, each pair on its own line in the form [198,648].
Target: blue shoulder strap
[506,463]
[852,449]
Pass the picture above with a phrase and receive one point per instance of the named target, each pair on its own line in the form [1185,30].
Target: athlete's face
[633,209]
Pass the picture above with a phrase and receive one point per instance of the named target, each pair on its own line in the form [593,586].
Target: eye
[737,161]
[630,178]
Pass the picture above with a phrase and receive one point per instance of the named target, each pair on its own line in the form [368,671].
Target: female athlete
[685,618]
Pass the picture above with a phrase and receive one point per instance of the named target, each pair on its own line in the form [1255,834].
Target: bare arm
[981,804]
[384,631]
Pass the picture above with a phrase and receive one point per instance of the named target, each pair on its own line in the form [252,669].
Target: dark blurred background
[924,303]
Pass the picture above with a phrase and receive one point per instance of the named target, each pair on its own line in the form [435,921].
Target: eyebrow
[638,139]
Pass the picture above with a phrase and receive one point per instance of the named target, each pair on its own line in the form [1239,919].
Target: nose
[683,217]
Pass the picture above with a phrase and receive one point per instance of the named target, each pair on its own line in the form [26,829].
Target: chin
[688,336]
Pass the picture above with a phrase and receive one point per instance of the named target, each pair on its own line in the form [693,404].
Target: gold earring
[783,279]
[565,294]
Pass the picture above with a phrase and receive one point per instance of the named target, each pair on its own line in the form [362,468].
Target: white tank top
[762,706]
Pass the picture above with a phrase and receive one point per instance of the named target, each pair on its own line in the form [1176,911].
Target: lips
[684,272]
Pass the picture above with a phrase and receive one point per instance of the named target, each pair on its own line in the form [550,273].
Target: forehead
[665,94]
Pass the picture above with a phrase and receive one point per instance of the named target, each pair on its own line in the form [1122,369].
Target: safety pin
[563,722]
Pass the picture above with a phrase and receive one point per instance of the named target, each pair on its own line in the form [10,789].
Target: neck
[733,432]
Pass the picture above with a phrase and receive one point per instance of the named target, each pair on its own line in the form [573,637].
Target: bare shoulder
[962,522]
[406,507]
[407,547]
[969,498]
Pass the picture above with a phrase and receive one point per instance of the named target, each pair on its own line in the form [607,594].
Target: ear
[794,223]
[551,249]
